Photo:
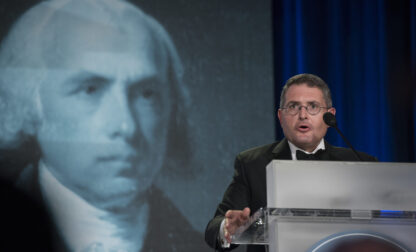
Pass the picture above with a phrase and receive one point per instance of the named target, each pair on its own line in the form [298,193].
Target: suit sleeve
[236,197]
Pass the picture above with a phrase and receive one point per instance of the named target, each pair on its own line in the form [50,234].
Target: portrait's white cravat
[85,227]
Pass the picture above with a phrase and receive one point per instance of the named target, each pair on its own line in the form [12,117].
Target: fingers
[245,214]
[233,220]
[238,214]
[227,234]
[246,211]
[230,226]
[231,213]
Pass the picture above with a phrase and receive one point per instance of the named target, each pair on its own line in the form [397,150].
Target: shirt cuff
[223,241]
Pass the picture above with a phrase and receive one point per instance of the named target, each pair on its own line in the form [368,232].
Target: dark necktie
[300,155]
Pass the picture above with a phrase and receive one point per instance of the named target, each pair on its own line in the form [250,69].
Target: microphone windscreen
[330,119]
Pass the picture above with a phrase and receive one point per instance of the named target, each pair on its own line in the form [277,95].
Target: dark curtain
[366,52]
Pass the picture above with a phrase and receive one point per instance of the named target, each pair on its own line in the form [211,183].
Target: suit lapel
[329,153]
[282,150]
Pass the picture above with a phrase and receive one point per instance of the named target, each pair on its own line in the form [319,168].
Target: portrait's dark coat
[168,229]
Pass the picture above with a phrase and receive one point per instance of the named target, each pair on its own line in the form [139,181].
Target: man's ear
[279,115]
[332,110]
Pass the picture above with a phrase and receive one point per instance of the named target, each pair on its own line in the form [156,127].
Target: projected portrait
[91,101]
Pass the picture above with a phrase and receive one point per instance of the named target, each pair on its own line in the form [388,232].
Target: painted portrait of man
[92,93]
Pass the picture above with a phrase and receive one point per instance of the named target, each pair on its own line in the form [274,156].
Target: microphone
[331,121]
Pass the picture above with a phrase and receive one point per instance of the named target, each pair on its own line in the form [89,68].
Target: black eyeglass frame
[306,108]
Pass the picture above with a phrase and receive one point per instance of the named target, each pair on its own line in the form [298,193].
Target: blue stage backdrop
[365,51]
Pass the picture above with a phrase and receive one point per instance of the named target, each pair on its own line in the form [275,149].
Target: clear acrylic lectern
[328,206]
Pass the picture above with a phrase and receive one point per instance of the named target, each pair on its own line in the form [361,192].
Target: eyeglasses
[312,108]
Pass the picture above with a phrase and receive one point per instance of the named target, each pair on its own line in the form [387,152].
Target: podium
[330,206]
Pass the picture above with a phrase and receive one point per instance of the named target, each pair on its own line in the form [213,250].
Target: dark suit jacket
[248,187]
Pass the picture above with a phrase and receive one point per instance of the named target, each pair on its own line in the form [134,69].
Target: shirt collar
[294,148]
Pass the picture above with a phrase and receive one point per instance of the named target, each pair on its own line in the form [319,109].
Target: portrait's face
[304,130]
[105,110]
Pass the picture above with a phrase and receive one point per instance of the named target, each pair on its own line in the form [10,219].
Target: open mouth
[303,128]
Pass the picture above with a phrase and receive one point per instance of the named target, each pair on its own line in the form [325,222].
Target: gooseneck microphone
[331,121]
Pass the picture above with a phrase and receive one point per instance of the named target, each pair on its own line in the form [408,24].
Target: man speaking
[303,101]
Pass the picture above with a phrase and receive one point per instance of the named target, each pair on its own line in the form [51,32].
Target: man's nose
[121,120]
[303,113]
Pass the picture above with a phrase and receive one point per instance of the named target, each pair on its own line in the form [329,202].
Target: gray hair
[310,80]
[23,68]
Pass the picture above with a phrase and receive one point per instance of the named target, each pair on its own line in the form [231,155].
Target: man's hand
[233,220]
